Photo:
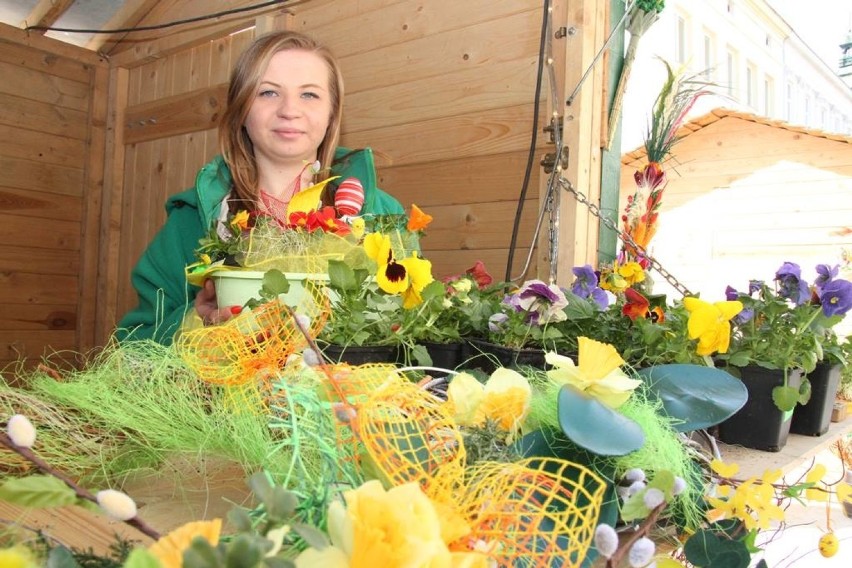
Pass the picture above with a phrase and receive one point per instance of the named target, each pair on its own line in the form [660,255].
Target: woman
[282,115]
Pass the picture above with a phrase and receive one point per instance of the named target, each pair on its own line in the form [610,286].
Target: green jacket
[159,277]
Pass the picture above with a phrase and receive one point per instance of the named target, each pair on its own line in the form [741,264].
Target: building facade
[752,56]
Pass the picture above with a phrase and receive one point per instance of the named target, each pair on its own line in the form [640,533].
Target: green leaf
[731,554]
[701,548]
[804,391]
[274,283]
[311,535]
[260,485]
[61,557]
[37,491]
[201,554]
[239,519]
[274,562]
[141,558]
[785,398]
[341,276]
[664,480]
[246,551]
[595,426]
[280,504]
[697,396]
[634,508]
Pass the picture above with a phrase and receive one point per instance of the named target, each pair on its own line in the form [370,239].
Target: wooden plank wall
[443,91]
[52,111]
[743,197]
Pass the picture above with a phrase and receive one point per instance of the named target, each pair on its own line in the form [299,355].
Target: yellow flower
[632,272]
[506,399]
[726,470]
[240,220]
[598,375]
[710,324]
[378,247]
[169,549]
[503,399]
[17,556]
[400,527]
[465,394]
[358,227]
[815,475]
[419,273]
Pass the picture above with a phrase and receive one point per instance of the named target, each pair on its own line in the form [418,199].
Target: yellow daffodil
[465,394]
[711,324]
[598,374]
[632,272]
[504,399]
[240,220]
[169,549]
[17,556]
[394,528]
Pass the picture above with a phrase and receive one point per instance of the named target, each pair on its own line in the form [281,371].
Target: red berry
[235,310]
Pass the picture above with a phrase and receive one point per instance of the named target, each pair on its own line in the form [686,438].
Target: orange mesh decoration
[534,512]
[254,345]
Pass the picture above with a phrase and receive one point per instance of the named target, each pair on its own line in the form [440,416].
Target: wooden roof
[718,114]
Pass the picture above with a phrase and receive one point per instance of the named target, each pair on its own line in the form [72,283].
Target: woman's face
[291,110]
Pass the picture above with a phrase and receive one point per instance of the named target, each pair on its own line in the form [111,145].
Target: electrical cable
[163,25]
[531,156]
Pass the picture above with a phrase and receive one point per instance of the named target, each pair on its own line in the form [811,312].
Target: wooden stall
[443,91]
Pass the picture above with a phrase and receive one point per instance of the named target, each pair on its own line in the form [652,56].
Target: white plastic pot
[236,287]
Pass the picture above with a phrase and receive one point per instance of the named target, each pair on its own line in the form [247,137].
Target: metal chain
[596,211]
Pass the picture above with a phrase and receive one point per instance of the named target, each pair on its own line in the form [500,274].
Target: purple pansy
[496,321]
[731,294]
[825,274]
[791,285]
[754,286]
[836,298]
[545,303]
[586,286]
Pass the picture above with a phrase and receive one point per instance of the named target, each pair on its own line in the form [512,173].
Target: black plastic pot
[759,424]
[814,418]
[446,355]
[488,356]
[361,354]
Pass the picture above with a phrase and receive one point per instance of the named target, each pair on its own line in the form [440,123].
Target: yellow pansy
[632,272]
[711,324]
[378,247]
[419,273]
[240,220]
[169,549]
[398,527]
[598,374]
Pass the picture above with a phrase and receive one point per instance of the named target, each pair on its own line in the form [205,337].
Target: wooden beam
[46,12]
[53,47]
[170,116]
[131,13]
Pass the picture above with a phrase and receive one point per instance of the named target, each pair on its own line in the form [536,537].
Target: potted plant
[368,302]
[777,338]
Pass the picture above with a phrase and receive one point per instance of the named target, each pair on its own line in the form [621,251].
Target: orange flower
[418,219]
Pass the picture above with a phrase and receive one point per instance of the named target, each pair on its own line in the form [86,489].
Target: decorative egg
[349,197]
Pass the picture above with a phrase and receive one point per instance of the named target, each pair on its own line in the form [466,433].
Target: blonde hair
[235,145]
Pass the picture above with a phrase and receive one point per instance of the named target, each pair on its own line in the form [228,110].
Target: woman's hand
[207,306]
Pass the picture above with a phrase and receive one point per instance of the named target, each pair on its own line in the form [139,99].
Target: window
[732,64]
[768,96]
[709,56]
[751,85]
[682,38]
[791,99]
